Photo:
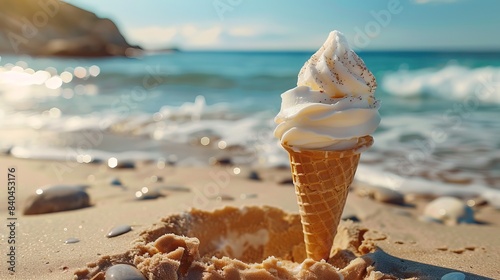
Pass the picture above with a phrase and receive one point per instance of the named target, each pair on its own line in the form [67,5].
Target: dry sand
[406,246]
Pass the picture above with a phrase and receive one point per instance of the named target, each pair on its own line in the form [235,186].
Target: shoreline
[431,247]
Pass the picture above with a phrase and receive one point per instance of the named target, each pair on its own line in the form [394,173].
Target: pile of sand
[240,243]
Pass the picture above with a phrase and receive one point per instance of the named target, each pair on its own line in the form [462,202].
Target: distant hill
[56,28]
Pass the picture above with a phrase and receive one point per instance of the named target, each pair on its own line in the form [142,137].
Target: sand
[404,246]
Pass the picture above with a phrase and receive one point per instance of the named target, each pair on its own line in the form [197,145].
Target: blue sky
[304,25]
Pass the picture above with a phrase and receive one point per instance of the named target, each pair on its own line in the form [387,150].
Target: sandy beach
[407,247]
[219,140]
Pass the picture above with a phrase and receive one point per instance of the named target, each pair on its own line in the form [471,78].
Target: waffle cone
[322,180]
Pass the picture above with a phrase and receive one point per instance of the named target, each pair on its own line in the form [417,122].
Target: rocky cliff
[56,28]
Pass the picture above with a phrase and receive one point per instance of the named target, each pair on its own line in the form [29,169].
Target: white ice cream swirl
[337,70]
[333,104]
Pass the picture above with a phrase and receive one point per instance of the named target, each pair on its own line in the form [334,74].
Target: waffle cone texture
[322,180]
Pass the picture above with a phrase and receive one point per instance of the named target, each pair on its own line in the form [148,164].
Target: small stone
[453,276]
[151,194]
[221,161]
[285,181]
[175,188]
[5,150]
[125,165]
[71,240]
[349,214]
[386,195]
[248,195]
[118,230]
[448,210]
[156,179]
[223,197]
[254,176]
[56,199]
[96,161]
[114,181]
[123,272]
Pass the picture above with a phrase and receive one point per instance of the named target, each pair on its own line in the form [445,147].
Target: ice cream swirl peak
[336,69]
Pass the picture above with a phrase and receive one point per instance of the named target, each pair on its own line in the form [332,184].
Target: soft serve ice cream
[333,104]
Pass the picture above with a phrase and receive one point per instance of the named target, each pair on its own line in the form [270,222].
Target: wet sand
[406,245]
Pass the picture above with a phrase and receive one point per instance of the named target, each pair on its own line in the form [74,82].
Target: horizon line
[456,50]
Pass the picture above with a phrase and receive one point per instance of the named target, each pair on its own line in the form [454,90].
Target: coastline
[408,244]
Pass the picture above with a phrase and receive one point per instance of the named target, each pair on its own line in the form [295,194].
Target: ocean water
[440,112]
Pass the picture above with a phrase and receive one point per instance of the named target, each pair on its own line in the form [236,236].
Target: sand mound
[237,243]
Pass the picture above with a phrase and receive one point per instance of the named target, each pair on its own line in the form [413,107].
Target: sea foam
[451,81]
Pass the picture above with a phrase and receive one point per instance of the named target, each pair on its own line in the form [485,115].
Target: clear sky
[304,25]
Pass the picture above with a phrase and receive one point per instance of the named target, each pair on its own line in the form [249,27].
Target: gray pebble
[222,197]
[71,240]
[175,188]
[115,181]
[151,194]
[125,165]
[388,196]
[123,272]
[248,195]
[118,230]
[224,161]
[5,150]
[285,181]
[453,276]
[155,179]
[254,176]
[56,199]
[349,214]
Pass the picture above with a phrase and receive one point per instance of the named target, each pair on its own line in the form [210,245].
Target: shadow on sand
[403,268]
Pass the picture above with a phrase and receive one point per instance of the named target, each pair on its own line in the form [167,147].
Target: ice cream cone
[322,179]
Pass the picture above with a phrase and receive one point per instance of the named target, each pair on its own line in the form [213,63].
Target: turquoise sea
[440,110]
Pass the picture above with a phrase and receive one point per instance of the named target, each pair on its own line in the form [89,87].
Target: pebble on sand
[118,230]
[223,161]
[380,194]
[71,240]
[285,181]
[175,188]
[254,175]
[148,194]
[123,272]
[56,199]
[448,210]
[117,164]
[453,276]
[114,181]
[155,179]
